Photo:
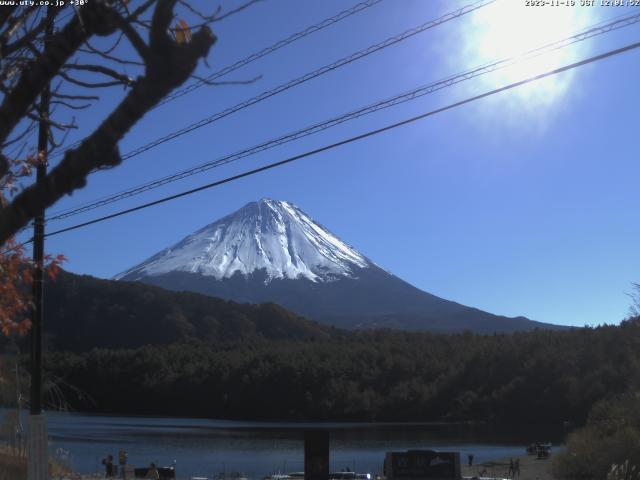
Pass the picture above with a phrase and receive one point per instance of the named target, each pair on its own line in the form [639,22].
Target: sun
[508,29]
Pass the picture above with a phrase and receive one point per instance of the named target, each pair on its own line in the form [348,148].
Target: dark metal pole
[38,252]
[316,454]
[37,454]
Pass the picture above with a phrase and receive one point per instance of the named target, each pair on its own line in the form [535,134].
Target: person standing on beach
[470,458]
[108,466]
[153,473]
[512,468]
[122,460]
[516,469]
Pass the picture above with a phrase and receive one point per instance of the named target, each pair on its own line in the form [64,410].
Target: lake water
[204,447]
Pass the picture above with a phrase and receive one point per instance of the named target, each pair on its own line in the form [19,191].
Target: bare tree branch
[140,10]
[136,40]
[121,78]
[55,97]
[214,17]
[5,13]
[109,57]
[169,65]
[52,123]
[98,20]
[75,97]
[634,308]
[30,128]
[29,36]
[4,165]
[162,16]
[198,13]
[16,23]
[53,143]
[84,84]
[69,105]
[235,10]
[108,50]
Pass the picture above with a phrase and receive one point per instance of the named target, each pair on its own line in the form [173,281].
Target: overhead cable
[359,7]
[306,77]
[352,139]
[354,114]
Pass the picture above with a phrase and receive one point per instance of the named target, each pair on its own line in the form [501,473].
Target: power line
[597,29]
[353,139]
[327,22]
[268,50]
[309,76]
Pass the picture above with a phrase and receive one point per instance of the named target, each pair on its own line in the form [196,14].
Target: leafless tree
[84,53]
[634,309]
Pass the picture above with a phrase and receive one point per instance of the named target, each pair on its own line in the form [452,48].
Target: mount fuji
[271,251]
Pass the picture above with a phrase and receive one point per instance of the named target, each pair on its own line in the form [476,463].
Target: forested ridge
[120,347]
[84,312]
[539,376]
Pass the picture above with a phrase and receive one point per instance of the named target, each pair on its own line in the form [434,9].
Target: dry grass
[13,466]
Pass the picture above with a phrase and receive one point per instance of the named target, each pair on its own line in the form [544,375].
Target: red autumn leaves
[16,269]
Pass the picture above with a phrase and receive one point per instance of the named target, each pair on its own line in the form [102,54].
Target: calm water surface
[205,447]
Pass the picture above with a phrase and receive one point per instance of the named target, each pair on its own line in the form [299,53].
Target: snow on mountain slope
[271,251]
[269,235]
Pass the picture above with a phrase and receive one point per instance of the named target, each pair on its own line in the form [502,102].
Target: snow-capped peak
[274,236]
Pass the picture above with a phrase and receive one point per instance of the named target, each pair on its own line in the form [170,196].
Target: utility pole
[37,439]
[316,454]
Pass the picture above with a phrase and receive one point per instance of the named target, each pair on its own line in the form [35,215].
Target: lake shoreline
[205,447]
[298,422]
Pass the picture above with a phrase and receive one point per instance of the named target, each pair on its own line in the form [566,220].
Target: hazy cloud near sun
[508,30]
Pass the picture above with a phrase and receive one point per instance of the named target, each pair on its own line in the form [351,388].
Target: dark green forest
[84,312]
[120,347]
[540,376]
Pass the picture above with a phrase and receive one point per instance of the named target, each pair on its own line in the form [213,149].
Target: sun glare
[509,29]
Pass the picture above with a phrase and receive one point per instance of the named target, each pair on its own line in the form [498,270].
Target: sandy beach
[531,468]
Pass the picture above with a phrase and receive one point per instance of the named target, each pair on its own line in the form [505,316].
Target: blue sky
[524,203]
